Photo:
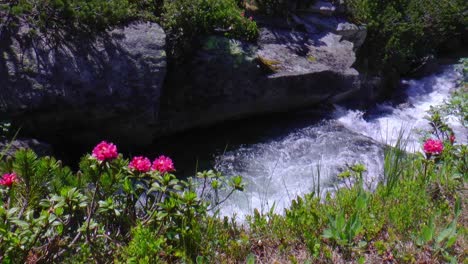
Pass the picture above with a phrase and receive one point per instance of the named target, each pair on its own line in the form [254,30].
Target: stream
[293,154]
[310,158]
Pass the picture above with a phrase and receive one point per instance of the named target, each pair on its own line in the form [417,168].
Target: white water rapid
[278,170]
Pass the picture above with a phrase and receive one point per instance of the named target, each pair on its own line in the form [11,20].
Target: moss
[271,65]
[311,58]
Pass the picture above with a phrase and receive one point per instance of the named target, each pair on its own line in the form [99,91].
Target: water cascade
[309,159]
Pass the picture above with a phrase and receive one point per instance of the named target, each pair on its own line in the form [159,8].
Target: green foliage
[443,241]
[281,7]
[402,32]
[272,7]
[81,14]
[109,213]
[185,20]
[144,247]
[53,214]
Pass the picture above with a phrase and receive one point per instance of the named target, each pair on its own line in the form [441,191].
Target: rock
[285,69]
[230,79]
[322,7]
[337,25]
[40,148]
[340,6]
[85,88]
[302,53]
[351,32]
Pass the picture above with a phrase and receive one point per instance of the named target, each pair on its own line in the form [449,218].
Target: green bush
[272,7]
[185,20]
[281,7]
[53,14]
[402,32]
[50,214]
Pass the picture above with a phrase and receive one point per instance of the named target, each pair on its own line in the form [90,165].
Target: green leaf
[250,259]
[445,234]
[451,241]
[327,233]
[20,223]
[58,211]
[199,260]
[458,207]
[427,233]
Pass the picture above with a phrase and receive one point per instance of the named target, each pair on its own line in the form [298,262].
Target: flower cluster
[8,179]
[433,146]
[163,164]
[105,151]
[140,163]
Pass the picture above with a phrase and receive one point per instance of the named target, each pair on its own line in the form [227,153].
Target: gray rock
[230,79]
[337,25]
[107,85]
[302,53]
[322,7]
[9,148]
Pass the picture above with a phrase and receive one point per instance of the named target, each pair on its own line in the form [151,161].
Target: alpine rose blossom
[8,179]
[105,151]
[163,164]
[433,146]
[140,163]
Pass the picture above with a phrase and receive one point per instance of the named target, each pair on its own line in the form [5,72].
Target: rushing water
[387,120]
[309,158]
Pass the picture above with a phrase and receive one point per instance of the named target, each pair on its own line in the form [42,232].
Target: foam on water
[278,170]
[408,117]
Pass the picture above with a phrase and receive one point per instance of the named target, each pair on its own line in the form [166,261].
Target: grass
[415,215]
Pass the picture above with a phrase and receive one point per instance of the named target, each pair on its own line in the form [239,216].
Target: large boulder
[65,85]
[285,69]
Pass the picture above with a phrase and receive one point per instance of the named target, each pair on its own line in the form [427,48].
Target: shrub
[50,214]
[185,20]
[401,33]
[53,14]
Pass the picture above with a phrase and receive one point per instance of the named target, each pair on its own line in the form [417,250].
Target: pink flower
[105,151]
[452,138]
[250,18]
[433,146]
[163,164]
[7,180]
[141,164]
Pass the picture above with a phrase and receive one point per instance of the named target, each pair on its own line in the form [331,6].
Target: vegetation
[402,33]
[54,14]
[183,20]
[116,210]
[50,214]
